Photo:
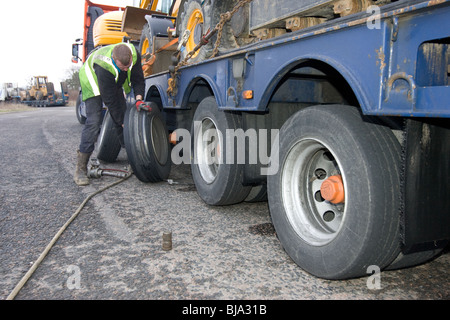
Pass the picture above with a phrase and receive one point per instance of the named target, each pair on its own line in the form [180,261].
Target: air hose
[56,237]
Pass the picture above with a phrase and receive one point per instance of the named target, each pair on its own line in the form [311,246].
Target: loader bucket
[134,20]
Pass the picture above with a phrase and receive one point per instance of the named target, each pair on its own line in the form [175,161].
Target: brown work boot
[80,176]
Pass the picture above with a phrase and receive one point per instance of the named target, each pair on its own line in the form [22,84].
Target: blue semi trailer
[341,123]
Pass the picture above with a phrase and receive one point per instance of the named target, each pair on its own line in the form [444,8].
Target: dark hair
[122,53]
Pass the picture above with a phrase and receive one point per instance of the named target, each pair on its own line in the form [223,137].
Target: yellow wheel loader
[42,93]
[40,89]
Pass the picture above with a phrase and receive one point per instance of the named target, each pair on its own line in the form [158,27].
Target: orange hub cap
[332,189]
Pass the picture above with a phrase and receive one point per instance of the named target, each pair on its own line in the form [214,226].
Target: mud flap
[426,188]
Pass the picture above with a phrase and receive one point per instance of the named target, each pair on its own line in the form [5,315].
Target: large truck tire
[217,182]
[108,145]
[147,144]
[336,240]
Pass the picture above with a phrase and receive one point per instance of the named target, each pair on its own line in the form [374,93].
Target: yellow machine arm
[146,3]
[153,4]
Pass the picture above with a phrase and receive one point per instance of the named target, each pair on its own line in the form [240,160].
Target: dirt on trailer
[14,107]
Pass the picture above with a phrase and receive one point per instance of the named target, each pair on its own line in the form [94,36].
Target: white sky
[37,37]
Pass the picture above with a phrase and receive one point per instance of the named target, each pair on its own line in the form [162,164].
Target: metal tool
[96,172]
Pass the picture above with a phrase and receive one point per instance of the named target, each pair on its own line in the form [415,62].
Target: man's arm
[137,79]
[111,94]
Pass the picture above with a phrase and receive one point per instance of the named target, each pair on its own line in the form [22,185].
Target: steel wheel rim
[208,144]
[145,46]
[153,136]
[308,163]
[195,20]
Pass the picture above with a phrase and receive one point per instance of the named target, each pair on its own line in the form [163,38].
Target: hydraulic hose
[35,265]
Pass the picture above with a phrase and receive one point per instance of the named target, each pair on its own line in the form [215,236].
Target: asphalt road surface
[113,249]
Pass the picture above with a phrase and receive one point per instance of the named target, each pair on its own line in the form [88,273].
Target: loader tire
[39,96]
[210,16]
[194,19]
[213,10]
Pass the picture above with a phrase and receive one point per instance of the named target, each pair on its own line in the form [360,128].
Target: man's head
[122,56]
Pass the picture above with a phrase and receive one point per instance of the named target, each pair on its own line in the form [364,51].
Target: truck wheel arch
[324,62]
[201,80]
[156,94]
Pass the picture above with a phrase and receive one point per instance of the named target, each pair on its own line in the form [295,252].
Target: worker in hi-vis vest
[107,74]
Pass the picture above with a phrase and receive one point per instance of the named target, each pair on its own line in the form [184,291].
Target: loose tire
[147,144]
[79,107]
[336,241]
[217,182]
[108,145]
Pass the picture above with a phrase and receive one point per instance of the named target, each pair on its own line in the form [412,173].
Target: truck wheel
[334,200]
[80,109]
[147,144]
[218,181]
[108,146]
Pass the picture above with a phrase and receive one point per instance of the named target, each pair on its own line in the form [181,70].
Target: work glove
[141,105]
